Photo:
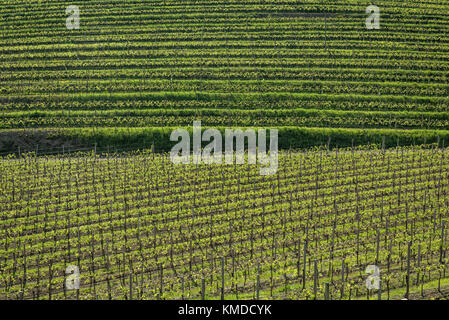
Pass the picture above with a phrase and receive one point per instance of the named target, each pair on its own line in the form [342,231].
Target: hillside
[140,227]
[295,65]
[349,203]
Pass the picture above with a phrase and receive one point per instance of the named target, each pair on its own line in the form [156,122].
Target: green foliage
[289,138]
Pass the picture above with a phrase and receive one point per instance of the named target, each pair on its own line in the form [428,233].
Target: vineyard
[140,227]
[88,189]
[153,64]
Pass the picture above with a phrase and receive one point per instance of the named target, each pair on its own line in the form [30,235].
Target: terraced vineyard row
[138,226]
